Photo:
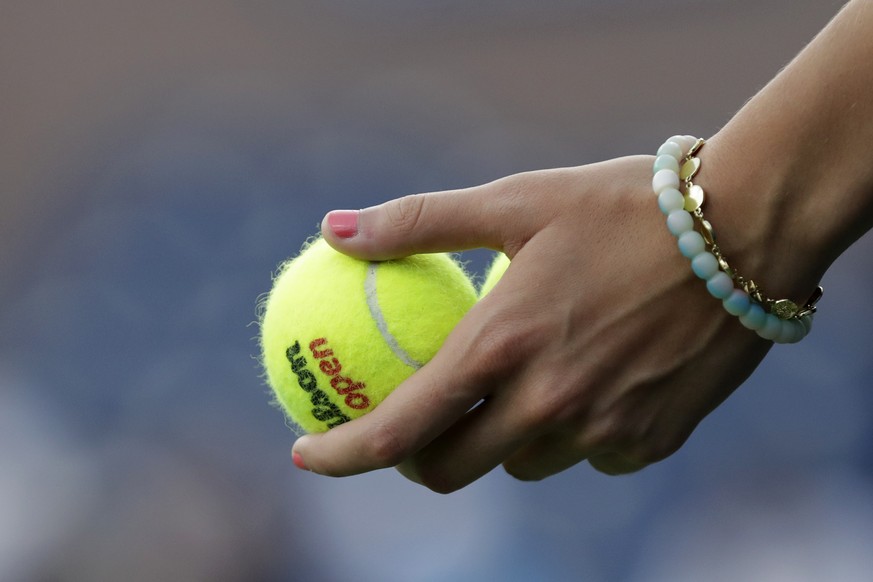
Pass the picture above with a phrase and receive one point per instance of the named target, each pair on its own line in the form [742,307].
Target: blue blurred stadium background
[159,159]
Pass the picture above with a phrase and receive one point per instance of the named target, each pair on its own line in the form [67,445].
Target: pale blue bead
[664,179]
[737,303]
[672,149]
[704,265]
[683,141]
[791,332]
[806,322]
[799,331]
[670,199]
[691,244]
[772,327]
[802,330]
[755,318]
[720,286]
[679,221]
[665,162]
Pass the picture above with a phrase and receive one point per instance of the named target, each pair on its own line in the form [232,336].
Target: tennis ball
[339,334]
[494,273]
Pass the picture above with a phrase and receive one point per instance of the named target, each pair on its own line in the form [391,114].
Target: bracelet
[779,320]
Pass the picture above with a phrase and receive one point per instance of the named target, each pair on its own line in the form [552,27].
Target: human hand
[599,343]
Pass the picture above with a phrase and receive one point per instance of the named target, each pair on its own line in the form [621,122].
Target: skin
[611,350]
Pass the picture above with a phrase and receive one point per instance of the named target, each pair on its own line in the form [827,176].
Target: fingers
[557,452]
[483,216]
[424,406]
[432,423]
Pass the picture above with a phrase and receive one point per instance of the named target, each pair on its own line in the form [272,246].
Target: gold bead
[689,169]
[706,231]
[694,198]
[784,309]
[696,147]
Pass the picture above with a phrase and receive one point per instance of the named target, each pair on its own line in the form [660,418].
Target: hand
[599,343]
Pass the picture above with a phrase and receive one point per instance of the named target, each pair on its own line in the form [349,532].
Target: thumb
[454,220]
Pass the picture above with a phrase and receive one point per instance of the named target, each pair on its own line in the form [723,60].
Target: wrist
[763,223]
[681,199]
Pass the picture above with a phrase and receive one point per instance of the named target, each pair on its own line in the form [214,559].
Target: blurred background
[159,159]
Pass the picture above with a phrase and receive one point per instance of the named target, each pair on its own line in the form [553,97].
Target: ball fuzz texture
[498,267]
[339,334]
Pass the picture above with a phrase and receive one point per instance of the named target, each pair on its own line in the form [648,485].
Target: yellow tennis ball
[494,273]
[339,334]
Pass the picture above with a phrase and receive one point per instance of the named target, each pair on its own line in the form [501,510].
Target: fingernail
[343,223]
[298,461]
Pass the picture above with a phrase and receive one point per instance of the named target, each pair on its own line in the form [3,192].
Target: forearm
[790,177]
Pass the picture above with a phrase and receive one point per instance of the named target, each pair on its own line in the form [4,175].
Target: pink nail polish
[343,223]
[298,461]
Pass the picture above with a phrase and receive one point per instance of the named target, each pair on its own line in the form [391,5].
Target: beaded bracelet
[777,320]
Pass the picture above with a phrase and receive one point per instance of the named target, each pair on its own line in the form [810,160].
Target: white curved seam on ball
[370,290]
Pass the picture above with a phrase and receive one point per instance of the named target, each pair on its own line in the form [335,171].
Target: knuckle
[635,432]
[501,345]
[384,446]
[561,400]
[544,408]
[493,353]
[654,450]
[556,401]
[517,189]
[650,438]
[437,480]
[405,213]
[553,395]
[607,433]
[640,443]
[434,474]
